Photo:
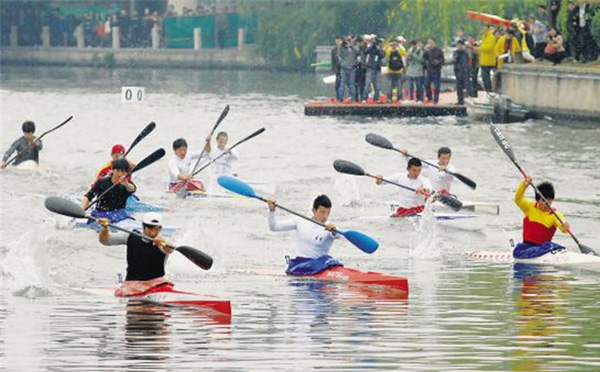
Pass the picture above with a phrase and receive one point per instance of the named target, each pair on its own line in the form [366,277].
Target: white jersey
[439,179]
[312,240]
[408,198]
[222,166]
[179,166]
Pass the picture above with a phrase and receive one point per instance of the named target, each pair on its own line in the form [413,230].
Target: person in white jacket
[181,166]
[313,242]
[441,181]
[222,156]
[410,202]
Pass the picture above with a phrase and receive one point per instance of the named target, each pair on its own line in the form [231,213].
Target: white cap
[401,39]
[152,218]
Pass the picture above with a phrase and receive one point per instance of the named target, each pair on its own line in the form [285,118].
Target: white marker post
[133,94]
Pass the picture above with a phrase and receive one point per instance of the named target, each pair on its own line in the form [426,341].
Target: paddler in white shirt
[181,166]
[441,181]
[222,165]
[312,241]
[410,202]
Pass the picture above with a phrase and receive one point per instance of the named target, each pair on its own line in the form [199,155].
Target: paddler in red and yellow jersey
[539,223]
[117,152]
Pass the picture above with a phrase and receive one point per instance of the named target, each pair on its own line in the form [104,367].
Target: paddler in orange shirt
[539,223]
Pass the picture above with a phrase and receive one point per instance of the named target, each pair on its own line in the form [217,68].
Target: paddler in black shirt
[145,258]
[112,205]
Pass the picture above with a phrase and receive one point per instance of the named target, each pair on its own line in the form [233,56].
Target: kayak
[439,216]
[128,224]
[135,205]
[477,207]
[489,19]
[166,295]
[558,258]
[201,194]
[396,285]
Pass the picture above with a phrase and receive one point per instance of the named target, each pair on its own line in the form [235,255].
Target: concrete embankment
[570,93]
[128,57]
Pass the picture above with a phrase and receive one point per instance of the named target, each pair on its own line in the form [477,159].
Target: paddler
[28,147]
[181,166]
[312,241]
[145,258]
[222,163]
[410,202]
[440,180]
[112,205]
[539,223]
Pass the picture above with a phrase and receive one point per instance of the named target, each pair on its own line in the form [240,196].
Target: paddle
[182,192]
[231,148]
[43,134]
[362,241]
[347,167]
[156,155]
[68,208]
[503,143]
[145,132]
[380,141]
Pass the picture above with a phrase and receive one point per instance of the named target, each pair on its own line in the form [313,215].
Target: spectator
[585,47]
[335,61]
[414,72]
[552,11]
[348,53]
[555,50]
[434,60]
[460,59]
[395,66]
[487,57]
[473,66]
[361,70]
[507,48]
[373,58]
[538,31]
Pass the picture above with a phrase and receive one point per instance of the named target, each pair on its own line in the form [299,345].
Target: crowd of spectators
[135,29]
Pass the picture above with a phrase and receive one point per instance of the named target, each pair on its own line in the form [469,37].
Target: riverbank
[567,92]
[231,58]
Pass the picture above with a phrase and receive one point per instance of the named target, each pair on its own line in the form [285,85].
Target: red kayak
[384,286]
[489,19]
[166,295]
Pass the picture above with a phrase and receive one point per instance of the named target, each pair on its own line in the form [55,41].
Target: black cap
[121,164]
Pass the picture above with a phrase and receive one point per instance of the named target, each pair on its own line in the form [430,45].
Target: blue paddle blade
[235,185]
[362,241]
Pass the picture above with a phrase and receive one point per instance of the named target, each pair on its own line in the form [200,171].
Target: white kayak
[468,206]
[439,216]
[558,258]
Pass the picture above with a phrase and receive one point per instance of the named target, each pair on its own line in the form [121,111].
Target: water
[461,314]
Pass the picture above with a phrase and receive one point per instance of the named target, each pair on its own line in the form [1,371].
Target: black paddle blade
[250,136]
[348,167]
[198,257]
[466,180]
[587,250]
[221,117]
[499,137]
[145,132]
[379,141]
[156,155]
[450,201]
[64,207]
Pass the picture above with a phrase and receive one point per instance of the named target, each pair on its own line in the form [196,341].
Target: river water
[461,314]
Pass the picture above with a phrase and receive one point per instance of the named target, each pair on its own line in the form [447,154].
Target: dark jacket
[335,60]
[461,61]
[373,57]
[434,59]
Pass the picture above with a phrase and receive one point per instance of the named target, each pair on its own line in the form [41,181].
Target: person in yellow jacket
[506,49]
[395,56]
[487,57]
[539,223]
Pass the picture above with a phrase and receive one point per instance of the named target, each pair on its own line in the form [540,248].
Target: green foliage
[596,27]
[287,34]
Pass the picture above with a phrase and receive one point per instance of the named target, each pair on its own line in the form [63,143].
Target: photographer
[555,50]
[348,55]
[373,57]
